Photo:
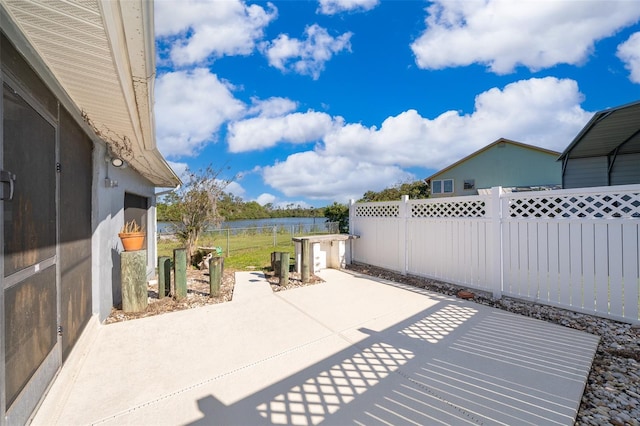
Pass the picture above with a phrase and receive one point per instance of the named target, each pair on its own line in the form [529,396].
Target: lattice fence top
[611,205]
[378,210]
[467,208]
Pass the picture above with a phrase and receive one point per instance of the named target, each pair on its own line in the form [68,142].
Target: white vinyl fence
[577,249]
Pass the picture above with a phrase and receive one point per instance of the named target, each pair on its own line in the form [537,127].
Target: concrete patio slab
[253,286]
[350,350]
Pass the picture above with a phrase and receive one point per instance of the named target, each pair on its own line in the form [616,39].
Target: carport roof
[98,56]
[614,130]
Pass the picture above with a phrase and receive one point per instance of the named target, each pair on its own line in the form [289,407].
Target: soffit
[101,53]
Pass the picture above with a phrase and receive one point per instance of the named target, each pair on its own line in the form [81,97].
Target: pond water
[165,227]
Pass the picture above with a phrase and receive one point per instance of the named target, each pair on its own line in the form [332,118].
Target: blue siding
[506,165]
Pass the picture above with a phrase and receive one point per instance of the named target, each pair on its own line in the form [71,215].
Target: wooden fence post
[180,273]
[284,268]
[215,275]
[275,263]
[164,276]
[133,268]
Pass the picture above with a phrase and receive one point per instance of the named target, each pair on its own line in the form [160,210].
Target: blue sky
[311,102]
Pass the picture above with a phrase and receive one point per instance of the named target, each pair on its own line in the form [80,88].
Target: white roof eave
[129,27]
[109,44]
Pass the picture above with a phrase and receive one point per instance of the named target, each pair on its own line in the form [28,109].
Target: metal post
[164,276]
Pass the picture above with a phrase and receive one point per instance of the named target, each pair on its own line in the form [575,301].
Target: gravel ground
[612,393]
[198,294]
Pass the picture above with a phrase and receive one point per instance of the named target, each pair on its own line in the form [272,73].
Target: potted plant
[132,236]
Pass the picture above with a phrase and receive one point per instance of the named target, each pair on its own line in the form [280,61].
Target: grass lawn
[241,252]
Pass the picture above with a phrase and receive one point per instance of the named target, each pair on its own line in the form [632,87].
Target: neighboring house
[606,151]
[77,81]
[503,163]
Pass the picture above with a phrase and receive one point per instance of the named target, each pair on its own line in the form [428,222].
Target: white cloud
[331,7]
[308,56]
[629,53]
[316,176]
[272,107]
[264,132]
[236,189]
[265,198]
[291,204]
[504,34]
[198,30]
[353,158]
[544,112]
[180,169]
[190,108]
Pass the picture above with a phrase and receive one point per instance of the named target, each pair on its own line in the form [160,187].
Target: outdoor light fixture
[117,162]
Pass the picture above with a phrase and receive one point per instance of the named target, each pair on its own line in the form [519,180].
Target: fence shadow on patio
[451,364]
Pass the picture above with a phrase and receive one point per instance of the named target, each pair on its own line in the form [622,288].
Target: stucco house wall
[109,219]
[60,129]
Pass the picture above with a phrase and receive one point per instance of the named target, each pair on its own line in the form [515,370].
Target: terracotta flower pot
[132,241]
[464,294]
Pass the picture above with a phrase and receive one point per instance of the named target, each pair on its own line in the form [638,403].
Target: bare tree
[197,204]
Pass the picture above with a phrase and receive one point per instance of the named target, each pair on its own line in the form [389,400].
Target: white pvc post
[403,242]
[496,246]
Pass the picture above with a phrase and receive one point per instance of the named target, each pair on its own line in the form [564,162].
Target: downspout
[168,191]
[565,160]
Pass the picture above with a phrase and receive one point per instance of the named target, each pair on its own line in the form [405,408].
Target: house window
[444,186]
[469,184]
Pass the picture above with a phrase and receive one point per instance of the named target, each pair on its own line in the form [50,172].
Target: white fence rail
[575,249]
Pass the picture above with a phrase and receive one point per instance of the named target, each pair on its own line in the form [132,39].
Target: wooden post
[180,273]
[305,259]
[133,269]
[275,263]
[215,275]
[164,276]
[284,268]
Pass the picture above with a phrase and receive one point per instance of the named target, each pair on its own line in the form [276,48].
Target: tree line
[231,207]
[202,202]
